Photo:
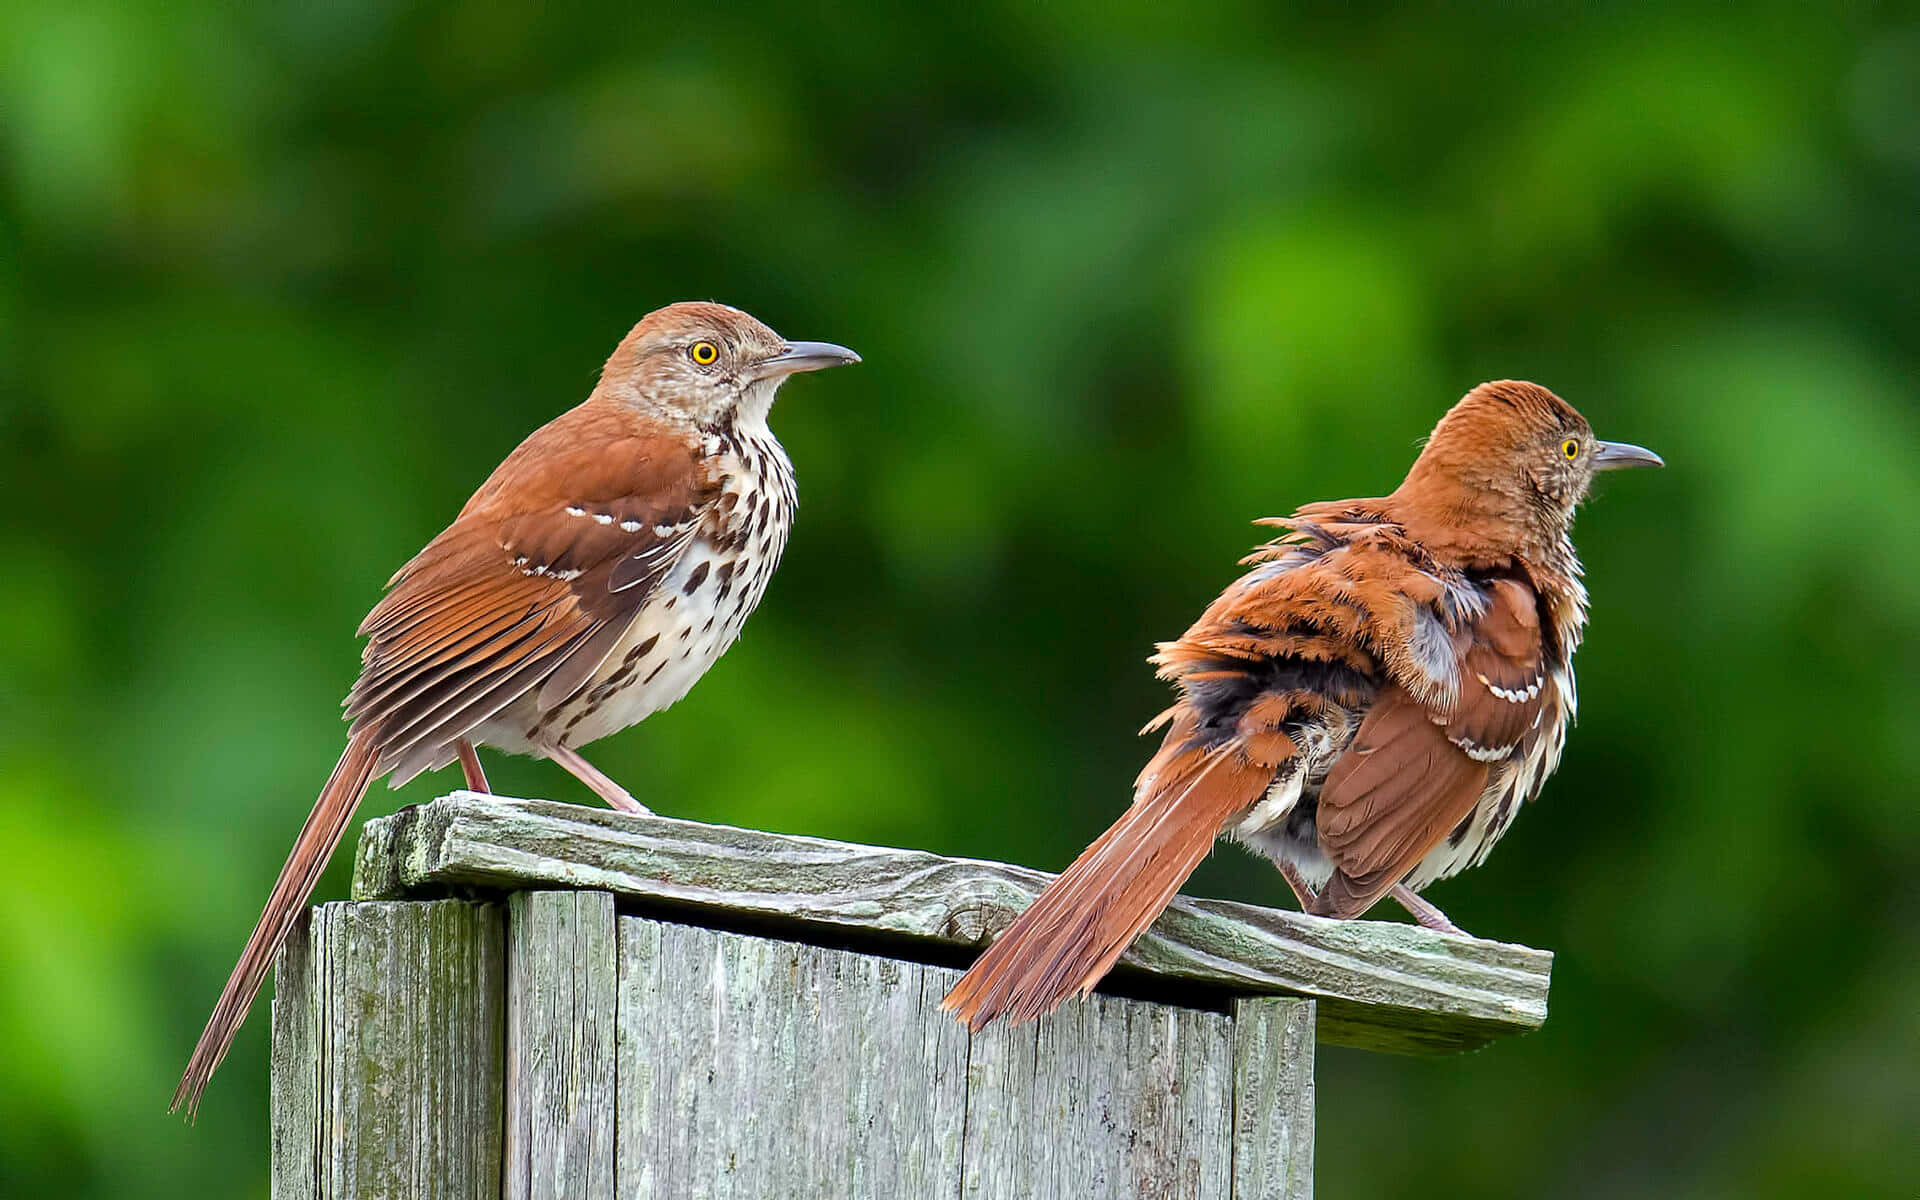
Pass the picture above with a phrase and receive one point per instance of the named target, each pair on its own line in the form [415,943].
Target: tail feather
[1079,926]
[311,850]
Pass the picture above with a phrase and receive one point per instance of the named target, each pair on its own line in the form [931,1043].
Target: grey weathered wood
[397,1010]
[293,1071]
[1111,1097]
[1273,1099]
[751,1067]
[561,992]
[1380,985]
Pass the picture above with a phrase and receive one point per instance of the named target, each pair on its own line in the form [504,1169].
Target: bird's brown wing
[1398,789]
[1416,770]
[530,587]
[1505,681]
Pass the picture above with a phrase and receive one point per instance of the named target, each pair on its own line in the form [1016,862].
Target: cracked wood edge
[1379,985]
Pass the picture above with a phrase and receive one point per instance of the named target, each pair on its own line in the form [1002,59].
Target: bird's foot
[603,787]
[620,798]
[1424,912]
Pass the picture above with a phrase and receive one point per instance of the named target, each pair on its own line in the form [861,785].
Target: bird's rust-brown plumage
[592,579]
[1368,705]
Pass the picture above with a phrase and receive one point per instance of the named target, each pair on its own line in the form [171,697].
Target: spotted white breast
[694,614]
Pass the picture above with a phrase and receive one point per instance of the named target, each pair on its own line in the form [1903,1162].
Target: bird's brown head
[707,365]
[1510,462]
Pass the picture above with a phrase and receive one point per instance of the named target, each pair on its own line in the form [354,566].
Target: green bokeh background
[280,284]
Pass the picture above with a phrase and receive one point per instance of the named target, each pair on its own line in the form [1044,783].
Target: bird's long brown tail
[311,850]
[1081,924]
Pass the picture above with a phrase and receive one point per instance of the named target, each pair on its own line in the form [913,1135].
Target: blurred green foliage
[281,282]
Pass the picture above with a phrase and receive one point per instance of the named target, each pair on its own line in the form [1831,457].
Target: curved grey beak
[805,356]
[1617,456]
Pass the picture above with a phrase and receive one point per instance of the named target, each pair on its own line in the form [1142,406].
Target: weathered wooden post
[529,999]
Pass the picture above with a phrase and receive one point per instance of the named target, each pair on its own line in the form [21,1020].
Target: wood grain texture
[561,977]
[1379,986]
[388,1057]
[757,1068]
[752,1068]
[293,1070]
[1110,1098]
[1273,1099]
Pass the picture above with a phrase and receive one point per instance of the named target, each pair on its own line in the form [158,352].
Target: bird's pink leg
[603,787]
[1297,882]
[1424,912]
[470,767]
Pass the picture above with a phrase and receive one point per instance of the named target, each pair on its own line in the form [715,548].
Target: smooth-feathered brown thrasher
[1369,706]
[590,582]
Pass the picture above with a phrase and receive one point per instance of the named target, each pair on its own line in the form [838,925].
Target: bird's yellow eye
[703,353]
[1570,448]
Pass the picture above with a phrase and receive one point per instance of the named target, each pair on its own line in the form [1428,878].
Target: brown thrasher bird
[589,583]
[1368,706]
